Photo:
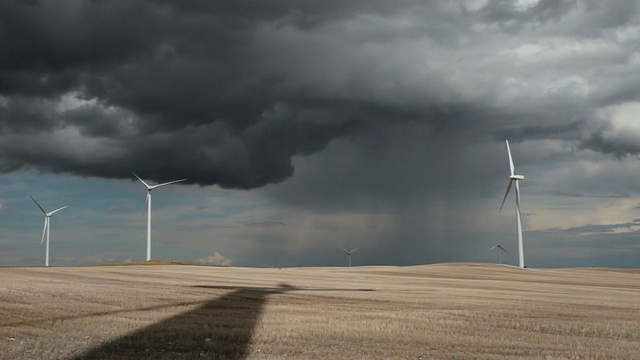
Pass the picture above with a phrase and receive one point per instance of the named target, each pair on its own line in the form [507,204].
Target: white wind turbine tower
[515,178]
[349,252]
[47,226]
[499,248]
[147,205]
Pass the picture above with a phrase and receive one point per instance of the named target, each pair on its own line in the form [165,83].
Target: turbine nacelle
[349,252]
[499,248]
[516,177]
[151,187]
[50,214]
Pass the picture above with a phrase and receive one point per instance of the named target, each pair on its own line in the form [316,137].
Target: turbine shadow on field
[220,329]
[282,288]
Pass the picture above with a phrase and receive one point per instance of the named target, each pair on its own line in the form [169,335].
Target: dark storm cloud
[565,130]
[229,92]
[160,81]
[620,145]
[604,16]
[511,19]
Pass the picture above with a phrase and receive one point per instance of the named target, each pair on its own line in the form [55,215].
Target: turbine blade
[506,194]
[56,210]
[44,230]
[345,250]
[354,250]
[491,248]
[501,248]
[510,159]
[142,181]
[167,183]
[34,200]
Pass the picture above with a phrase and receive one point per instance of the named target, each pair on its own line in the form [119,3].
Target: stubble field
[447,311]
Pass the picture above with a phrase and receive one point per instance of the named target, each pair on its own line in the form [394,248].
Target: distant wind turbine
[515,178]
[349,252]
[499,248]
[147,205]
[47,226]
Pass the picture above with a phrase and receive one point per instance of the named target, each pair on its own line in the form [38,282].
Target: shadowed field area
[444,311]
[221,327]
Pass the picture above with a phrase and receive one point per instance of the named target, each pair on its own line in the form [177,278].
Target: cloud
[118,209]
[206,227]
[86,83]
[513,16]
[230,97]
[215,259]
[591,229]
[264,223]
[391,112]
[612,244]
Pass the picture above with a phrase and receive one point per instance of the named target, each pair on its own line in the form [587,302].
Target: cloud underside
[229,93]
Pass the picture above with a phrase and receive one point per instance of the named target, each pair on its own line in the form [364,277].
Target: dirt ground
[445,311]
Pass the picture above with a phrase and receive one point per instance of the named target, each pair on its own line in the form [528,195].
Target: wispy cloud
[215,259]
[117,209]
[206,227]
[4,209]
[264,223]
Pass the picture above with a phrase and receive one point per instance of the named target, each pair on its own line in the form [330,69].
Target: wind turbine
[515,178]
[47,226]
[349,253]
[500,248]
[147,203]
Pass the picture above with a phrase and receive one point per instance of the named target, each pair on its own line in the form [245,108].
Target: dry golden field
[447,311]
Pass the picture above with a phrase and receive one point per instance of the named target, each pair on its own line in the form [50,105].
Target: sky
[303,126]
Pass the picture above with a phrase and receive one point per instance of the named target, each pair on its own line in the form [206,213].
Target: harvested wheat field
[446,311]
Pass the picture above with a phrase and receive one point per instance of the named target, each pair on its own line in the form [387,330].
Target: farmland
[443,311]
